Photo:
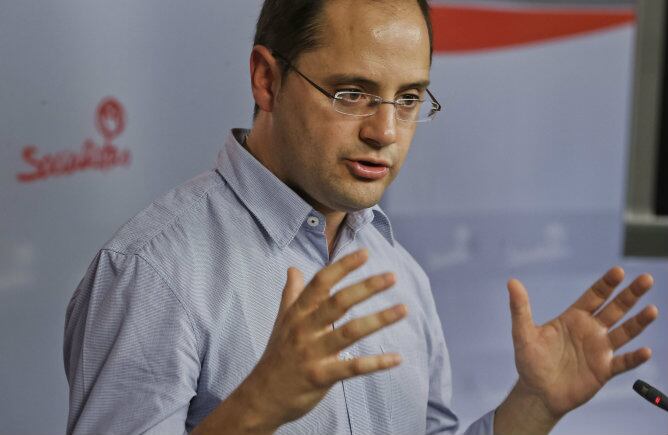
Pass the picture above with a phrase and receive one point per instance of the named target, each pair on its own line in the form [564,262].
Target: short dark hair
[292,27]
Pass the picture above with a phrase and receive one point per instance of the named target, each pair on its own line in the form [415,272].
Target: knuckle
[623,303]
[356,366]
[371,284]
[386,317]
[307,353]
[377,282]
[318,280]
[316,376]
[631,329]
[599,289]
[339,302]
[304,353]
[349,331]
[298,337]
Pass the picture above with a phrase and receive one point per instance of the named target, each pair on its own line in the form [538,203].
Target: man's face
[380,48]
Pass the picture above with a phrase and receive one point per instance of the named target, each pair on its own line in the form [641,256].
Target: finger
[632,327]
[335,371]
[293,288]
[630,360]
[340,302]
[600,291]
[622,303]
[317,290]
[520,311]
[356,329]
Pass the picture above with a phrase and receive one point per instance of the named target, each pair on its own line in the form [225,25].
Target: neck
[255,143]
[334,223]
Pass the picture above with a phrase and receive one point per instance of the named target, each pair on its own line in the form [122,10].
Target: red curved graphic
[110,118]
[462,29]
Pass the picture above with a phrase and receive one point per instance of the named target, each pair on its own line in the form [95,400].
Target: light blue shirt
[176,309]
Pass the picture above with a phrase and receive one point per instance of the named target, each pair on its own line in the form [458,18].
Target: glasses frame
[378,100]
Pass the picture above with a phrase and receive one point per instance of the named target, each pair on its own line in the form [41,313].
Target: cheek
[332,138]
[404,141]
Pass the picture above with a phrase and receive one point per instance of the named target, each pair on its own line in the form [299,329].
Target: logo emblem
[109,122]
[110,118]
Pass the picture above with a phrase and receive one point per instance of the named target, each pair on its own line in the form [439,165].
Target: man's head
[374,46]
[292,27]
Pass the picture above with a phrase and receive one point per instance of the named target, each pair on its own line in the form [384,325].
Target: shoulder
[178,207]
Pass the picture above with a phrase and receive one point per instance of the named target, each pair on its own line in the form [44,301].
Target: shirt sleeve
[130,350]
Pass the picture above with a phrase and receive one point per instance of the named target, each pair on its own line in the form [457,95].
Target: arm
[131,355]
[132,360]
[565,362]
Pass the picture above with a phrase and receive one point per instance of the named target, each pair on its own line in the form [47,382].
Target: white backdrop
[523,175]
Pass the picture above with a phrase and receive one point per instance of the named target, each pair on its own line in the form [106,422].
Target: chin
[357,203]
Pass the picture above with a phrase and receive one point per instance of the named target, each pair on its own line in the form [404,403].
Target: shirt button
[313,221]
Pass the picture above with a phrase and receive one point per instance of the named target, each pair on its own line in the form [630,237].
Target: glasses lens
[355,103]
[361,104]
[416,111]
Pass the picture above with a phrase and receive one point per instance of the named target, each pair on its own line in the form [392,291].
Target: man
[186,320]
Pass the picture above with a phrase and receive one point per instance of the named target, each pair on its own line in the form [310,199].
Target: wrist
[523,412]
[241,413]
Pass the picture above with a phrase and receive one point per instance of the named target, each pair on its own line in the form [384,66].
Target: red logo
[110,123]
[110,118]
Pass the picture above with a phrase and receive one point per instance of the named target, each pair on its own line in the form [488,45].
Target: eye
[409,100]
[349,95]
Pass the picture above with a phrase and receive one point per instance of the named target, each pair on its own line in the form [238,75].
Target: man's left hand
[565,362]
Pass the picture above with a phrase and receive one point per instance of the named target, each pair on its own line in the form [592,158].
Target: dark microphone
[651,394]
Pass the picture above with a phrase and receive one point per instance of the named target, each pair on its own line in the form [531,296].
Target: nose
[380,129]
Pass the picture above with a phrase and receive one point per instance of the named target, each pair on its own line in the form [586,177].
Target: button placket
[354,392]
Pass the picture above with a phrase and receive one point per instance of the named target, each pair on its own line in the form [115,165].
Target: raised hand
[566,361]
[300,362]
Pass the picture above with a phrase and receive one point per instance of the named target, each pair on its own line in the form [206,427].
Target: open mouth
[367,163]
[367,170]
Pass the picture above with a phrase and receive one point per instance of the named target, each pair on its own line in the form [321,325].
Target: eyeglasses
[411,108]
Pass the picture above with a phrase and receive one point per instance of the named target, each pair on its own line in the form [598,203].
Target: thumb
[293,288]
[520,311]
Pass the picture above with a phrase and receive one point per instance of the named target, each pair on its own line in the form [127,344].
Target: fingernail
[389,277]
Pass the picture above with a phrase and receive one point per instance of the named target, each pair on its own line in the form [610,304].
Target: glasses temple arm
[433,99]
[291,66]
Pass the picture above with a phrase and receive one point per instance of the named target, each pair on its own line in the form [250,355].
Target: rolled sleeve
[131,352]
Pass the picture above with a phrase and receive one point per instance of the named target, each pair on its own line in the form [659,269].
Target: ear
[265,75]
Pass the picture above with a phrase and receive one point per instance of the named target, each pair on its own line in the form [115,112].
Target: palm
[568,360]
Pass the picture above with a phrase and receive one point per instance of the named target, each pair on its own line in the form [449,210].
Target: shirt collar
[280,211]
[374,215]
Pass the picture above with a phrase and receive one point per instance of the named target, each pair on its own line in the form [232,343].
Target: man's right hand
[301,361]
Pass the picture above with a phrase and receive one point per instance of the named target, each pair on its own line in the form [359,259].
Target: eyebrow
[361,80]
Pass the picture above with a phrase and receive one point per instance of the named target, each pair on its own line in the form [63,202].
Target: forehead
[382,40]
